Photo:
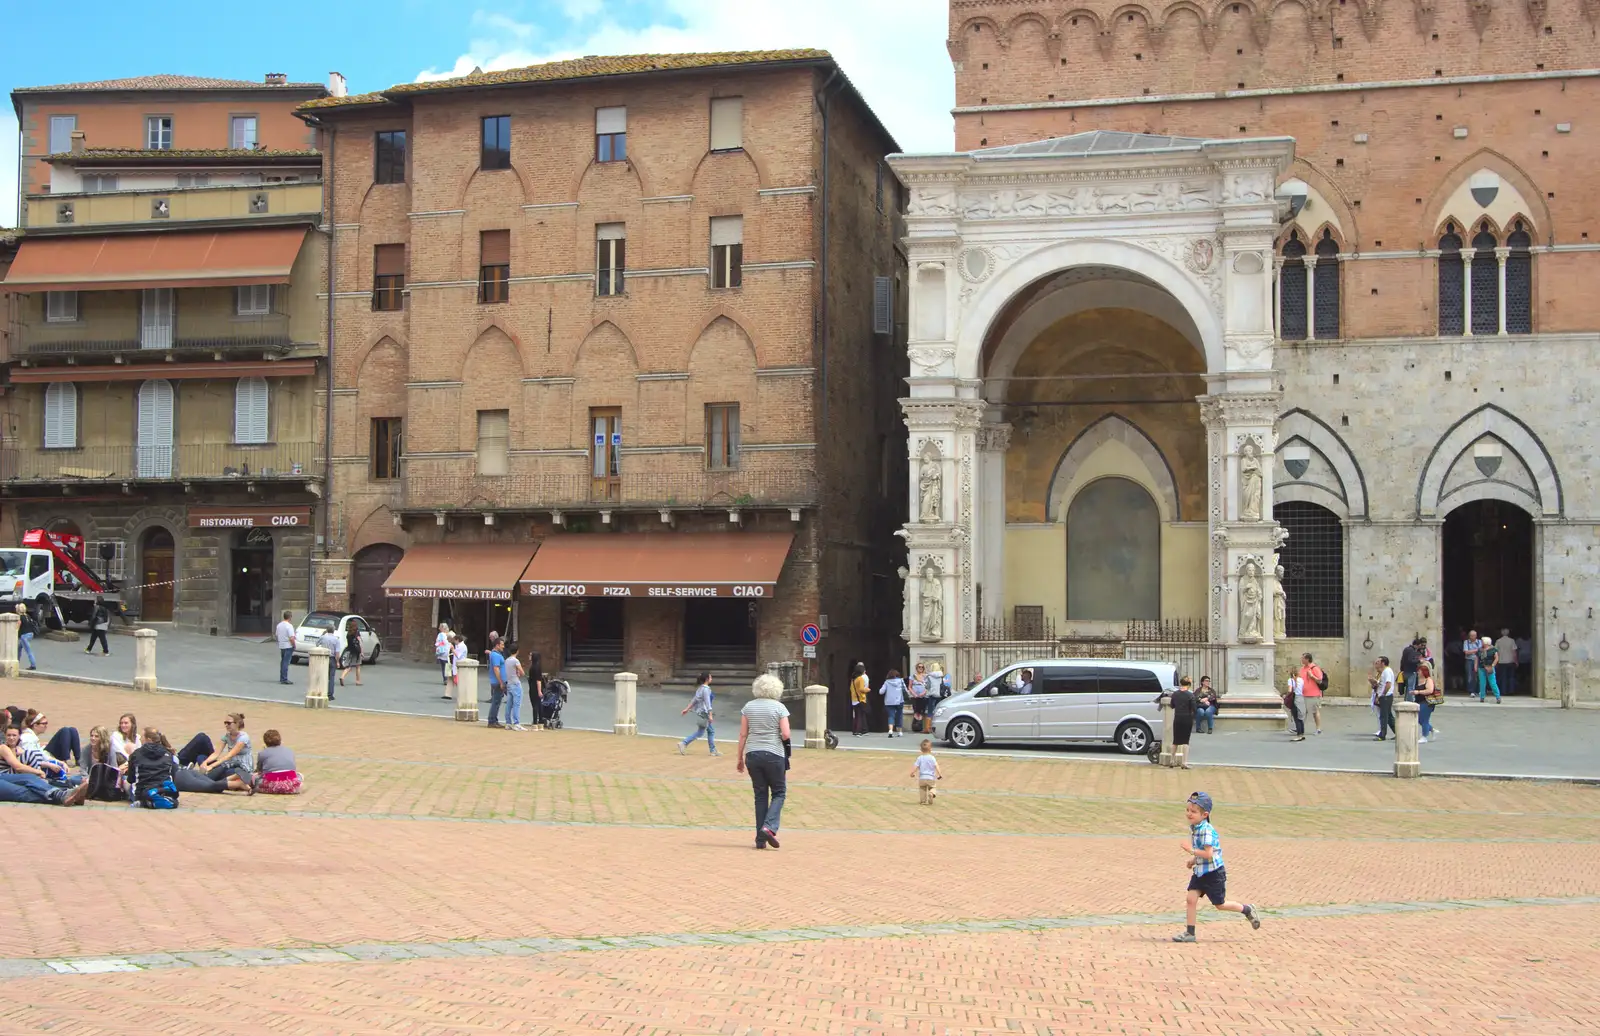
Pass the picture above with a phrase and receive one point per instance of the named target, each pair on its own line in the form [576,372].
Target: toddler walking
[926,770]
[1209,878]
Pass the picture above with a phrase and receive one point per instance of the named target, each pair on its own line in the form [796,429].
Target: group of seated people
[133,765]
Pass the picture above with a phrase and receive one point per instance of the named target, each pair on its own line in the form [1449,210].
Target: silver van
[1060,700]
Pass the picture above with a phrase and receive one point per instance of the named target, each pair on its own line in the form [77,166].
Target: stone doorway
[1488,561]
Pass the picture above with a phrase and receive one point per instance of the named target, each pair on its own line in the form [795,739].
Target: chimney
[336,85]
[78,141]
[276,78]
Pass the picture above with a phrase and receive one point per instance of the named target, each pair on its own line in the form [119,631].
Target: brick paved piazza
[440,879]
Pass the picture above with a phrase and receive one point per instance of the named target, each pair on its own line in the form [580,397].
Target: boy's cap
[1202,800]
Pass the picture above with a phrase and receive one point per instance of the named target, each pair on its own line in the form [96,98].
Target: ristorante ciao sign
[755,590]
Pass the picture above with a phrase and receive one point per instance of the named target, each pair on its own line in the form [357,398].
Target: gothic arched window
[1292,290]
[1485,283]
[1452,309]
[1519,280]
[1325,306]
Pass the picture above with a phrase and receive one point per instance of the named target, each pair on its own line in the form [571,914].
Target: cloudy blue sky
[892,49]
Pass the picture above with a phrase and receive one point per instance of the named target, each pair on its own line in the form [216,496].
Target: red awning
[652,564]
[262,255]
[475,571]
[170,371]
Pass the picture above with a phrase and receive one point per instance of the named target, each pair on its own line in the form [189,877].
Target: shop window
[1485,283]
[250,411]
[1519,281]
[605,464]
[727,123]
[1313,569]
[494,266]
[494,442]
[389,156]
[495,152]
[722,436]
[611,258]
[387,438]
[60,416]
[1292,290]
[727,251]
[1452,305]
[1325,304]
[611,134]
[388,276]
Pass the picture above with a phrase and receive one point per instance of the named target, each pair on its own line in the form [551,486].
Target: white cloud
[892,50]
[8,167]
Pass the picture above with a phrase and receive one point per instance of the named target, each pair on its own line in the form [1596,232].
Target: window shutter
[61,415]
[883,305]
[727,230]
[495,248]
[611,120]
[390,260]
[61,128]
[155,429]
[727,123]
[250,411]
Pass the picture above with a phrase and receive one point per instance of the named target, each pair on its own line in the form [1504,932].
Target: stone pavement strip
[437,879]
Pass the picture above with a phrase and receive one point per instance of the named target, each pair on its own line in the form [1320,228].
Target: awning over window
[169,371]
[651,564]
[475,571]
[261,255]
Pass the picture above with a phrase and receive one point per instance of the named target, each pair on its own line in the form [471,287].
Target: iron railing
[199,334]
[643,490]
[1180,642]
[282,460]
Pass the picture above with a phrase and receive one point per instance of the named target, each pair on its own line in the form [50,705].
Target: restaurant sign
[249,518]
[459,593]
[754,590]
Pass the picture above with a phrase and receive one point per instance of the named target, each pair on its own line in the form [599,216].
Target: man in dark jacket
[1410,661]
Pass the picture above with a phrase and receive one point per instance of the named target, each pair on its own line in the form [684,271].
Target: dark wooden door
[157,554]
[372,567]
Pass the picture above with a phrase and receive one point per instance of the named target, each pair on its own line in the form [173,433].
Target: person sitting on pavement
[42,762]
[20,782]
[232,761]
[152,772]
[124,740]
[105,778]
[64,744]
[275,767]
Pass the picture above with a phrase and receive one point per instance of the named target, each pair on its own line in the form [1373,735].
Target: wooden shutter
[727,123]
[155,429]
[883,305]
[60,415]
[390,260]
[250,411]
[155,331]
[494,248]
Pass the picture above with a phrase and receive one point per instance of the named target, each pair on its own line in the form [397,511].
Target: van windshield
[13,562]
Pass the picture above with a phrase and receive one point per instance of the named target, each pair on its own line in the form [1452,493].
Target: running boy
[925,768]
[1204,850]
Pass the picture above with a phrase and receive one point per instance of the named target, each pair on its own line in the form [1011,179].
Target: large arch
[1490,420]
[1113,428]
[1351,499]
[990,302]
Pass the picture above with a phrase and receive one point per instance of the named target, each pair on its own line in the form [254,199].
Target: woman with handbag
[1429,697]
[764,754]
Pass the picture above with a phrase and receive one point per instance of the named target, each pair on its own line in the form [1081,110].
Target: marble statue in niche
[1250,483]
[1250,603]
[930,486]
[932,627]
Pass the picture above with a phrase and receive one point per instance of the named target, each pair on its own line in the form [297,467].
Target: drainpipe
[821,98]
[327,414]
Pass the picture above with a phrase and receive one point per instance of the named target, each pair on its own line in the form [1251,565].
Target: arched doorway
[1113,552]
[372,565]
[1488,580]
[157,555]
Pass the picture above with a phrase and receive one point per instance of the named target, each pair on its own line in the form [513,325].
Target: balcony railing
[246,336]
[205,461]
[639,491]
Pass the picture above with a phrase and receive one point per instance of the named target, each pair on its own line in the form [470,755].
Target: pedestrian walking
[700,705]
[1429,697]
[1206,700]
[99,626]
[1183,713]
[917,688]
[859,689]
[1292,700]
[1469,654]
[1488,669]
[331,642]
[458,654]
[764,754]
[1410,659]
[534,681]
[511,680]
[1208,876]
[1313,681]
[26,629]
[894,700]
[442,647]
[352,652]
[497,691]
[284,634]
[925,768]
[1505,669]
[1385,698]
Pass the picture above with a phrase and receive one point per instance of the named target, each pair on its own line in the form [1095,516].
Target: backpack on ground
[159,796]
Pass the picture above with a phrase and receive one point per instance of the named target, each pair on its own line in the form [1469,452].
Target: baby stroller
[555,696]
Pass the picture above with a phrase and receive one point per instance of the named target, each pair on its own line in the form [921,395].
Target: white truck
[49,573]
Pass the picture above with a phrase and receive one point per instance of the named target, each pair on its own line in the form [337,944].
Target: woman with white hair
[763,742]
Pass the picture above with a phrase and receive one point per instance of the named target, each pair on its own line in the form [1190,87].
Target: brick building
[162,353]
[631,319]
[1396,333]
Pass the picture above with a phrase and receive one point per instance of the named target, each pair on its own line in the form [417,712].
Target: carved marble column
[941,582]
[993,442]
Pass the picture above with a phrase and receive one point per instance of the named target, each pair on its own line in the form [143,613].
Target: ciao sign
[755,590]
[249,518]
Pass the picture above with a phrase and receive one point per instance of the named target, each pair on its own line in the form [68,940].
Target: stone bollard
[317,681]
[627,720]
[1407,763]
[10,622]
[144,660]
[467,690]
[1569,682]
[1168,756]
[816,716]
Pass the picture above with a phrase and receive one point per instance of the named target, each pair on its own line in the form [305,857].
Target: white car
[309,634]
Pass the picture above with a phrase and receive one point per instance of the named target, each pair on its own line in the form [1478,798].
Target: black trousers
[1299,717]
[197,750]
[769,781]
[99,635]
[1386,715]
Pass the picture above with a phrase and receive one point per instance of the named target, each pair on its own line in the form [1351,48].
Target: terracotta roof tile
[165,81]
[578,68]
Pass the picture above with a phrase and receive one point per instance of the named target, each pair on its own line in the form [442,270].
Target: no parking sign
[810,634]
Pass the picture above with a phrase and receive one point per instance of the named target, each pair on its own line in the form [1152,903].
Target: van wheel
[1133,738]
[964,733]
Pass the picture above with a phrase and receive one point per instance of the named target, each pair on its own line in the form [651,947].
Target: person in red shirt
[1311,680]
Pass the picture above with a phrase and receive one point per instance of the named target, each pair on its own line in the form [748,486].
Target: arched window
[1292,326]
[1485,283]
[1452,309]
[1313,569]
[1326,303]
[1519,281]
